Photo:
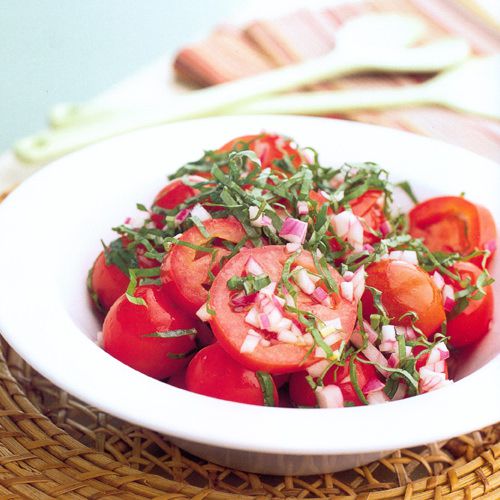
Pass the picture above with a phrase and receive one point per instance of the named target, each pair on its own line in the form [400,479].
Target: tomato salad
[261,276]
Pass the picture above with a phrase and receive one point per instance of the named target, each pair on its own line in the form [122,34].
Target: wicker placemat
[54,446]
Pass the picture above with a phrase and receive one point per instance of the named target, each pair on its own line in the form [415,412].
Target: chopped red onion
[329,396]
[371,353]
[320,294]
[294,230]
[333,339]
[318,368]
[264,321]
[293,247]
[252,317]
[388,333]
[243,300]
[202,313]
[400,392]
[409,256]
[438,280]
[304,281]
[261,221]
[430,380]
[373,385]
[127,221]
[347,290]
[200,212]
[251,341]
[358,282]
[302,208]
[182,216]
[287,337]
[377,397]
[348,275]
[385,228]
[448,298]
[388,346]
[368,248]
[253,267]
[370,332]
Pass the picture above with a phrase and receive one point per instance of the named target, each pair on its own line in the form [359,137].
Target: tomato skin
[301,393]
[107,282]
[126,325]
[405,287]
[453,224]
[212,372]
[473,323]
[268,147]
[184,274]
[230,328]
[172,195]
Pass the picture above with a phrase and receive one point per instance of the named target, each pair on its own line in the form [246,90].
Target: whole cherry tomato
[148,337]
[405,287]
[473,323]
[212,372]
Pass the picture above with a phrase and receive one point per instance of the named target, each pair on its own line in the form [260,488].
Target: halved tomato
[453,224]
[473,323]
[186,271]
[405,287]
[231,329]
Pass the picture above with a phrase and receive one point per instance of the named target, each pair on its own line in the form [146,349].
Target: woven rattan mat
[55,446]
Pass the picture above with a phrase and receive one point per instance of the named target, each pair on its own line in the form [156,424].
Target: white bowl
[51,227]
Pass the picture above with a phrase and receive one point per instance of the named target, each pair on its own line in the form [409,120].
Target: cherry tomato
[186,270]
[473,323]
[270,148]
[405,287]
[107,282]
[172,195]
[127,326]
[453,224]
[230,328]
[302,394]
[214,373]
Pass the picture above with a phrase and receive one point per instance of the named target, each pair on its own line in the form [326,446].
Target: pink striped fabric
[230,53]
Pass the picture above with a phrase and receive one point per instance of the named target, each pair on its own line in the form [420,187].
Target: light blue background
[70,50]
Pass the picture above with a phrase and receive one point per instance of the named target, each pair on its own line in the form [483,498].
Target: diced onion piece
[318,368]
[388,346]
[293,247]
[181,216]
[202,313]
[200,212]
[304,281]
[252,317]
[320,294]
[258,221]
[438,353]
[253,267]
[369,248]
[287,337]
[294,230]
[377,397]
[329,396]
[448,298]
[430,380]
[341,223]
[400,392]
[333,338]
[251,341]
[358,283]
[371,353]
[308,339]
[438,280]
[373,385]
[330,326]
[302,208]
[372,334]
[347,290]
[385,228]
[404,255]
[388,333]
[348,275]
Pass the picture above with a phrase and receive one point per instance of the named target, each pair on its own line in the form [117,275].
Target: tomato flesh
[127,325]
[212,372]
[186,270]
[405,287]
[230,328]
[473,323]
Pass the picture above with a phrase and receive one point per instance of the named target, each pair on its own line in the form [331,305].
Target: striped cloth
[233,52]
